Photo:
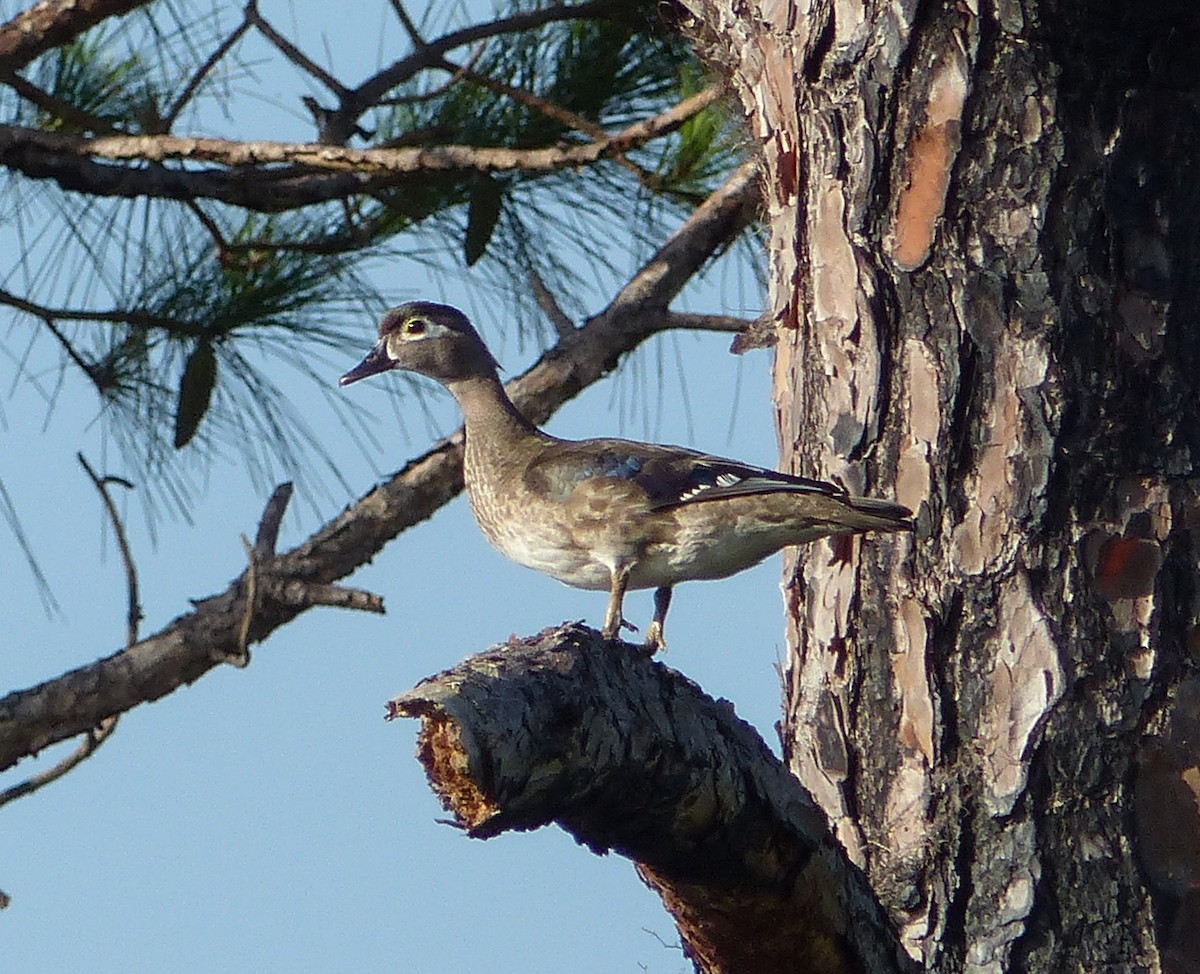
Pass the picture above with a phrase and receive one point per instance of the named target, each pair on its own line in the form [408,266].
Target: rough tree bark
[983,229]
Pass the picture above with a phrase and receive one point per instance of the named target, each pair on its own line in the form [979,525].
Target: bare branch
[406,22]
[262,192]
[241,658]
[303,595]
[687,321]
[262,550]
[291,174]
[194,82]
[139,319]
[84,121]
[91,742]
[627,755]
[272,517]
[293,53]
[456,75]
[426,54]
[134,614]
[562,323]
[50,23]
[95,736]
[368,162]
[194,643]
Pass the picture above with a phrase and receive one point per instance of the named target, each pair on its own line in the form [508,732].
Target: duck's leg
[654,634]
[616,597]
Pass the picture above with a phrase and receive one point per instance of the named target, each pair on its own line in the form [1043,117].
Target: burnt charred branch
[629,756]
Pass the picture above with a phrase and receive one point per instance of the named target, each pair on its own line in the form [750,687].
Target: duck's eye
[416,326]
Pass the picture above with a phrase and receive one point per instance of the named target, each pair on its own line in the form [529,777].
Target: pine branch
[292,174]
[427,54]
[50,23]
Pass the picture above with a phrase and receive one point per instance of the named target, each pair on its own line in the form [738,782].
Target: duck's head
[430,339]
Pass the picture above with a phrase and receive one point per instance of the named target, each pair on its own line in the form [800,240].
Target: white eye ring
[416,327]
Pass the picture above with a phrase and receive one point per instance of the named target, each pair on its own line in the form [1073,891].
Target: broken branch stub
[629,756]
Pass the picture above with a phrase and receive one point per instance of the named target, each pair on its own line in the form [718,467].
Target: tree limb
[202,72]
[689,321]
[269,176]
[630,756]
[293,581]
[50,23]
[77,118]
[289,50]
[426,54]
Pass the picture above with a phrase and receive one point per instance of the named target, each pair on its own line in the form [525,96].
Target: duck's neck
[489,413]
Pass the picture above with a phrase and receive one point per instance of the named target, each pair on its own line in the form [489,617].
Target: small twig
[131,580]
[687,321]
[554,112]
[665,943]
[326,121]
[563,325]
[298,594]
[456,75]
[87,747]
[241,658]
[88,368]
[564,116]
[268,524]
[56,106]
[410,28]
[197,79]
[262,550]
[293,53]
[93,738]
[209,224]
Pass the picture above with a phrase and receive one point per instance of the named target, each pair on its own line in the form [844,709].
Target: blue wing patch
[622,467]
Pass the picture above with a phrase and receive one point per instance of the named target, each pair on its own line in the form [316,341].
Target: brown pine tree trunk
[983,237]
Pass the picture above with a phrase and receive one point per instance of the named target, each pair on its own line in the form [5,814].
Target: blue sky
[268,818]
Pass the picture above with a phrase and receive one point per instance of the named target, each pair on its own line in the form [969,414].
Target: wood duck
[609,514]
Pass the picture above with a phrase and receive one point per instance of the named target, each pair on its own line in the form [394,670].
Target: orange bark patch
[928,160]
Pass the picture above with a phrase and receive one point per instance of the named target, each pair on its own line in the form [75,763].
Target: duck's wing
[669,476]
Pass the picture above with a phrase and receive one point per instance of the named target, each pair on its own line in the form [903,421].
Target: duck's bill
[376,361]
